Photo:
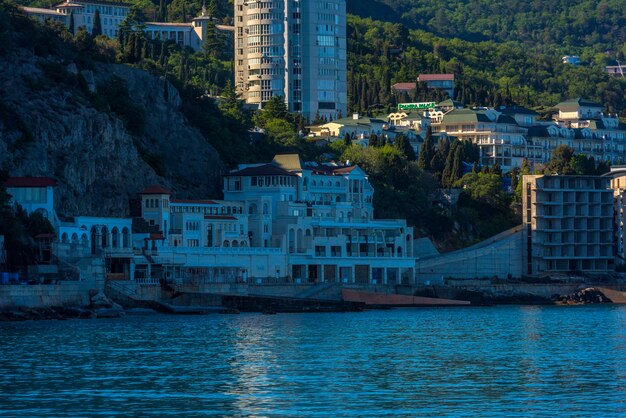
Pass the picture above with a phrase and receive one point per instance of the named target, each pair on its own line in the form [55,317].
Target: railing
[148,281]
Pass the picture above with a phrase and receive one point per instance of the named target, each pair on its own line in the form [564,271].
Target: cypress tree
[427,151]
[97,24]
[211,42]
[72,23]
[373,141]
[447,177]
[162,54]
[457,166]
[138,48]
[346,140]
[404,146]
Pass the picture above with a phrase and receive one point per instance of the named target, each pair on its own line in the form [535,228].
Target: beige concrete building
[293,49]
[568,224]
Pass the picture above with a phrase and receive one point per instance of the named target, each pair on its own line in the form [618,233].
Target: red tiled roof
[155,189]
[30,182]
[198,202]
[262,170]
[403,86]
[224,217]
[435,77]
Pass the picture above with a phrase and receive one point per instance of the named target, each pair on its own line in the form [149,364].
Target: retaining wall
[41,296]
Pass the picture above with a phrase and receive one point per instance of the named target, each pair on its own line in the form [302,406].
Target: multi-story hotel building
[294,49]
[568,224]
[508,135]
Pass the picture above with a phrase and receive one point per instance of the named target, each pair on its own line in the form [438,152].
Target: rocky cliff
[54,122]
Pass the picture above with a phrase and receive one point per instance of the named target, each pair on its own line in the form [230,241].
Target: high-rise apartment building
[295,49]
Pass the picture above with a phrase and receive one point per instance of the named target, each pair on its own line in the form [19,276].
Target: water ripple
[513,361]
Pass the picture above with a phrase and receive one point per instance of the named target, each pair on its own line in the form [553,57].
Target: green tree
[560,161]
[404,146]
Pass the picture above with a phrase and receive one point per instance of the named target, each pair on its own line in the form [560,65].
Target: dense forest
[564,26]
[487,73]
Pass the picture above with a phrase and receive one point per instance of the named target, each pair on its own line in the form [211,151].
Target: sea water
[483,361]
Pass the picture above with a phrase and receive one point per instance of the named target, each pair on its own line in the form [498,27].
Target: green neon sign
[412,106]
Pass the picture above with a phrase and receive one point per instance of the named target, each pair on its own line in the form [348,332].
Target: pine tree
[211,8]
[373,141]
[97,24]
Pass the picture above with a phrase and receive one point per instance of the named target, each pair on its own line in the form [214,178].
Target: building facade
[568,224]
[190,35]
[82,12]
[284,221]
[444,82]
[295,50]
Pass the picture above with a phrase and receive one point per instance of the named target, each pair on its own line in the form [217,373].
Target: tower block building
[294,49]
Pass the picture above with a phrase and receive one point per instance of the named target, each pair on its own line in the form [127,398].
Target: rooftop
[403,86]
[33,10]
[360,121]
[435,77]
[33,182]
[71,3]
[169,24]
[516,110]
[577,103]
[332,170]
[465,116]
[262,170]
[451,103]
[289,162]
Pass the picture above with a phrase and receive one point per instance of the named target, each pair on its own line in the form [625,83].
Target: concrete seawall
[41,296]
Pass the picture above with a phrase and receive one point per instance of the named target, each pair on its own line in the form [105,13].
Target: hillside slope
[104,131]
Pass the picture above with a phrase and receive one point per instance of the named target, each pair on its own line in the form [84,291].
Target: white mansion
[282,221]
[113,13]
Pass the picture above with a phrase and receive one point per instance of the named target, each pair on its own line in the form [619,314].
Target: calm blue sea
[487,361]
